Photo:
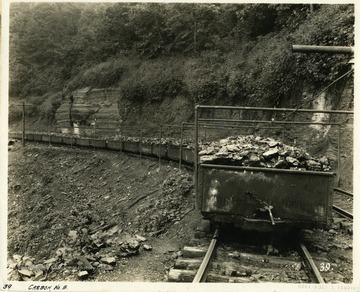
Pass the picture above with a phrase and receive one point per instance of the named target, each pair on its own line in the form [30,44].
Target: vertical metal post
[120,138]
[140,142]
[94,133]
[23,125]
[338,156]
[181,144]
[195,30]
[160,146]
[49,134]
[196,157]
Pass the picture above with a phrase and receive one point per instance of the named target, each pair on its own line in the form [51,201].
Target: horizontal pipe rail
[322,49]
[270,122]
[274,109]
[234,127]
[190,125]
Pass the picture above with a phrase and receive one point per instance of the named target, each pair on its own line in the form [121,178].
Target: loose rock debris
[156,216]
[98,252]
[61,226]
[256,151]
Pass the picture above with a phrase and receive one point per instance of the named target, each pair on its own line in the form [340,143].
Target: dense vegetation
[226,52]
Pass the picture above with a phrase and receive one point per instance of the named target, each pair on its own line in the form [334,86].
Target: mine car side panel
[241,194]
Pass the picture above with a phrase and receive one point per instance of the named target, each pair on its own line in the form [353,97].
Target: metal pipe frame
[338,154]
[218,126]
[196,156]
[181,144]
[23,125]
[269,122]
[199,122]
[160,146]
[322,49]
[274,109]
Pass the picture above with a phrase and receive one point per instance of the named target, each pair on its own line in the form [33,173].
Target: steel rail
[315,273]
[343,213]
[344,192]
[201,274]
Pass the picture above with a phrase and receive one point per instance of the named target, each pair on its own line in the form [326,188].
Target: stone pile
[81,256]
[256,151]
[23,268]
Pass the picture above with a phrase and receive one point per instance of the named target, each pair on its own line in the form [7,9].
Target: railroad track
[343,213]
[343,202]
[201,274]
[314,272]
[241,261]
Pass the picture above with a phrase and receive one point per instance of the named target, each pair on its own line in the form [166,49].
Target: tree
[41,36]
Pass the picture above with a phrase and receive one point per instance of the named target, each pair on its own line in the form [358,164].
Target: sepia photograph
[178,146]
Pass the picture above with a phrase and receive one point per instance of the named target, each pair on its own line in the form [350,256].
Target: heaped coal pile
[256,151]
[156,141]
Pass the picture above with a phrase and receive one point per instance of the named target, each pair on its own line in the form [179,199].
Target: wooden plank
[194,252]
[213,278]
[189,264]
[176,275]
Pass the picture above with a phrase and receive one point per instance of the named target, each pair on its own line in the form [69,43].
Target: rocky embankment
[76,214]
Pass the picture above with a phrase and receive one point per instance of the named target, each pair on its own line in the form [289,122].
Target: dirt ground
[116,217]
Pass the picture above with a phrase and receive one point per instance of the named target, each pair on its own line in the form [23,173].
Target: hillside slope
[241,57]
[102,202]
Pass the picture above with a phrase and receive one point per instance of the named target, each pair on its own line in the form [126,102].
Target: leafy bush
[105,74]
[15,113]
[51,102]
[324,68]
[39,108]
[206,77]
[153,80]
[257,19]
